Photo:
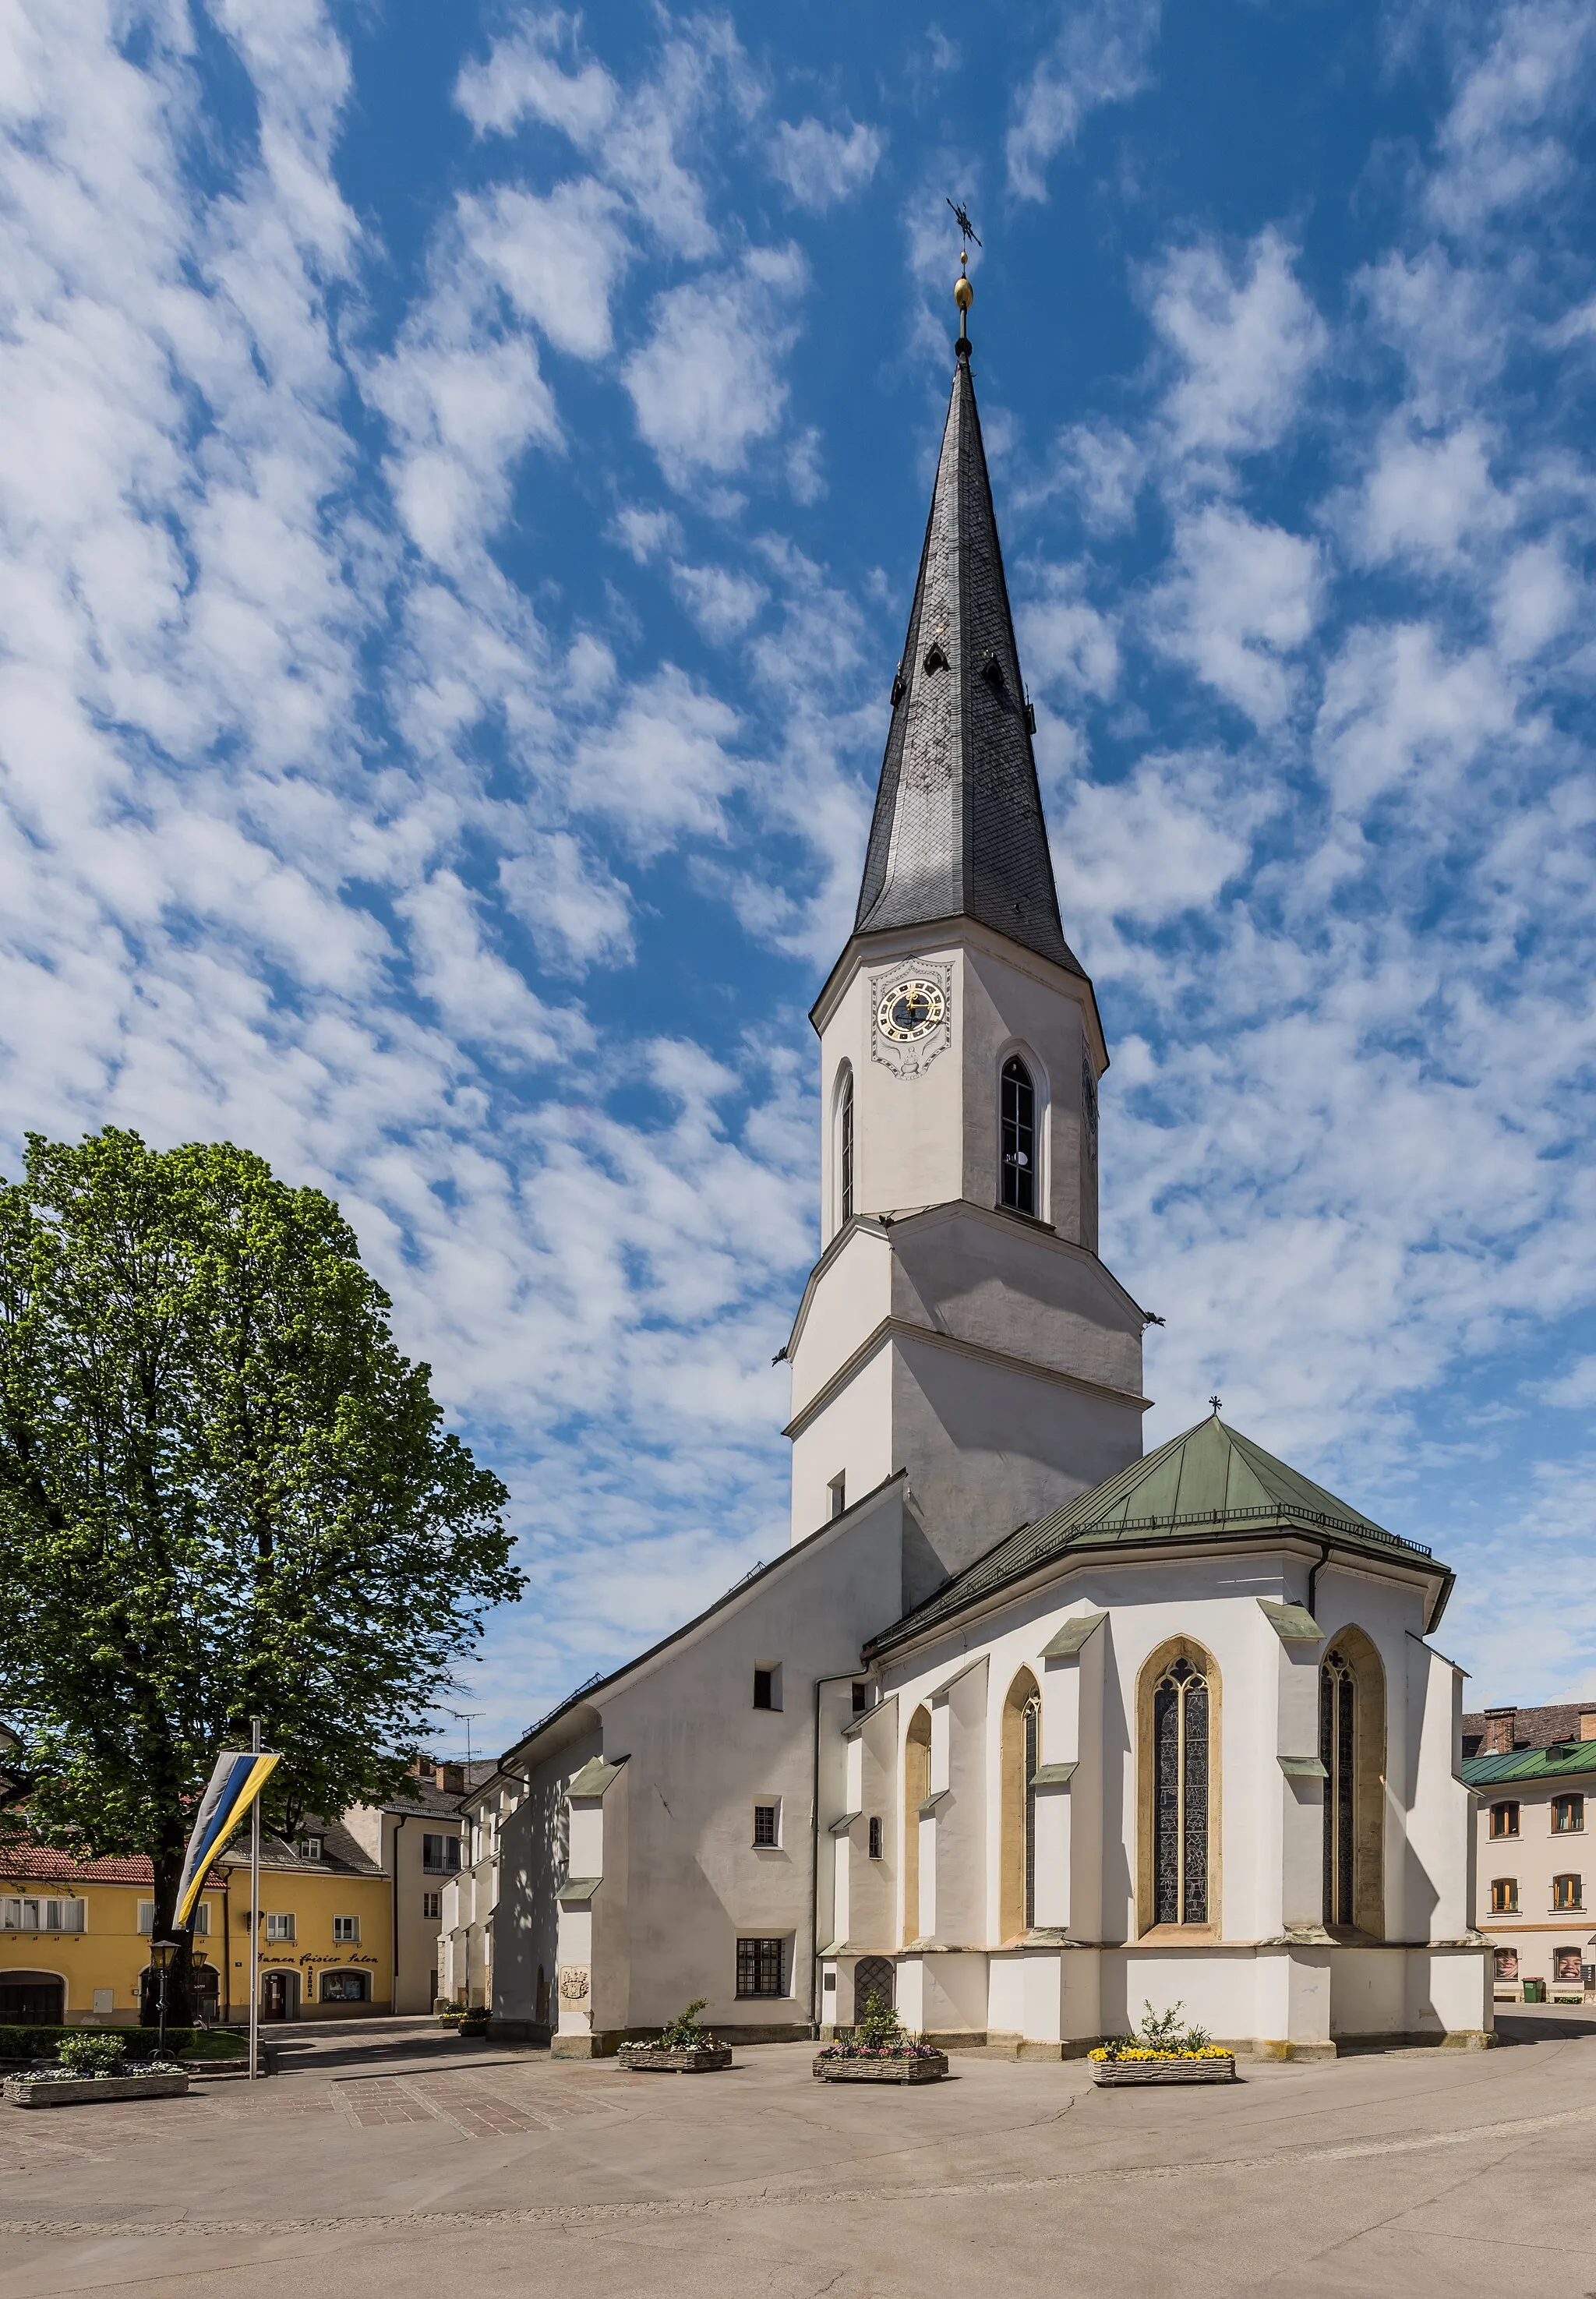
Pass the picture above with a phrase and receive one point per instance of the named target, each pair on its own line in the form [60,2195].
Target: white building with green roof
[1181,1736]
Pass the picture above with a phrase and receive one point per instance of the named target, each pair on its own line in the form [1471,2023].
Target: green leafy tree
[224,1494]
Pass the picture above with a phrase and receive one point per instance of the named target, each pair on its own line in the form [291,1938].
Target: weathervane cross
[1215,1402]
[966,230]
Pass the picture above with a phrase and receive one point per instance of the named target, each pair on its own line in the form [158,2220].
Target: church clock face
[909,1011]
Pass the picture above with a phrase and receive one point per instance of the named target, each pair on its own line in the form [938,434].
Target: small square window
[1566,1892]
[759,1967]
[432,1907]
[279,1927]
[766,1687]
[1567,1815]
[767,1825]
[875,1836]
[346,1930]
[441,1854]
[828,1985]
[1504,1820]
[861,1697]
[1504,1896]
[311,1848]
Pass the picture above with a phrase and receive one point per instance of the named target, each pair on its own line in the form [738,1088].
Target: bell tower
[959,1324]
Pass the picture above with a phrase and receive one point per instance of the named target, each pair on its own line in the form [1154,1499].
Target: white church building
[1026,1727]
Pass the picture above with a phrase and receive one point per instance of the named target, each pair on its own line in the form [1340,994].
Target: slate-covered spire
[958,828]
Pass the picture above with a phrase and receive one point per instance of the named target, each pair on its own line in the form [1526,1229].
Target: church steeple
[957,829]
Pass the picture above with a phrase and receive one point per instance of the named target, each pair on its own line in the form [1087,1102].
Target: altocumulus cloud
[451,579]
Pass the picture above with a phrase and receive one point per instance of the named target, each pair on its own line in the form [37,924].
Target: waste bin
[1534,1991]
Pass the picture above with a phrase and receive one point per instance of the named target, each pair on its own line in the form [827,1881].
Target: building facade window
[1504,1896]
[1566,1892]
[1180,1706]
[761,1967]
[441,1854]
[1017,1175]
[766,1688]
[916,1791]
[1504,1820]
[311,1848]
[1567,1815]
[346,1931]
[200,1919]
[1566,1970]
[1505,1960]
[875,1983]
[844,1148]
[432,1907]
[861,1697]
[767,1826]
[873,1834]
[837,1494]
[279,1927]
[31,1914]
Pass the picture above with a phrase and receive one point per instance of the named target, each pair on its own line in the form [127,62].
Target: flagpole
[254,1916]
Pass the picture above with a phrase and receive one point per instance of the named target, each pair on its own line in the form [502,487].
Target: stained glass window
[1033,1720]
[1338,1746]
[1180,1796]
[846,1146]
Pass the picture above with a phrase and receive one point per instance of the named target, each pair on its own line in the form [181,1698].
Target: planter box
[1163,2071]
[78,2091]
[928,2068]
[703,2060]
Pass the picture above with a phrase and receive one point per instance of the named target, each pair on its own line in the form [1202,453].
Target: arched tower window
[1018,1180]
[844,1148]
[916,1791]
[1179,1803]
[1017,1883]
[1352,1751]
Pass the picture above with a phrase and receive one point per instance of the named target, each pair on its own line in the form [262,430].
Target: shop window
[345,1988]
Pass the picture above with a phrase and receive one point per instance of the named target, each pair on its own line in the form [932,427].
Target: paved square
[401,2162]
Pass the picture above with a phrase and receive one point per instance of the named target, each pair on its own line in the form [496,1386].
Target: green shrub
[686,2032]
[881,2029]
[20,2042]
[92,2052]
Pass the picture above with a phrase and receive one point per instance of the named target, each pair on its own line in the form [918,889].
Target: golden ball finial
[964,295]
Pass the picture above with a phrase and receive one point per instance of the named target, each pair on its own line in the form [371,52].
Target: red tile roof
[40,1863]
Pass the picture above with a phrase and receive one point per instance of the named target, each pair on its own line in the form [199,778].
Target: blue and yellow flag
[235,1782]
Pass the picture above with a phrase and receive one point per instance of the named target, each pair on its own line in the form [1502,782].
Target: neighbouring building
[75,1939]
[464,1948]
[327,1926]
[1532,1774]
[1025,1728]
[415,1838]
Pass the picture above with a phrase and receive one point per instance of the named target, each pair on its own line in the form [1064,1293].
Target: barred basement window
[766,1825]
[1338,1700]
[1567,1815]
[1504,1896]
[875,1836]
[1504,1820]
[1180,1797]
[759,1967]
[1566,1892]
[1018,1180]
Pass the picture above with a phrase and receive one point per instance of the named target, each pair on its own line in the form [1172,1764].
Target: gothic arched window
[1033,1727]
[1180,1784]
[844,1148]
[1020,1735]
[1018,1137]
[916,1791]
[1338,1753]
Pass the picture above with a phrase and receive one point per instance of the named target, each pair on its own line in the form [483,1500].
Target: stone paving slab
[397,2169]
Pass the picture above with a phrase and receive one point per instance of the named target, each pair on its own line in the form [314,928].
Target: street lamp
[162,1952]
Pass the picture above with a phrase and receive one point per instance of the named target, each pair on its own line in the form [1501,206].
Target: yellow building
[75,1935]
[75,1939]
[327,1927]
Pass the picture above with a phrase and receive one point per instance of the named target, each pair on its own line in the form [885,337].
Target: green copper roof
[1531,1764]
[1209,1481]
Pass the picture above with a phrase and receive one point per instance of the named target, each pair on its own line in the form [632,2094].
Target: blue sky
[460,483]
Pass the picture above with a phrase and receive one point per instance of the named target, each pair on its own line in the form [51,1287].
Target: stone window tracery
[1338,1753]
[1180,1720]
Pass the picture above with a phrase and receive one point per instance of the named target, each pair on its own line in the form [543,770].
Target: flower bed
[68,2087]
[1162,2052]
[684,2047]
[880,2051]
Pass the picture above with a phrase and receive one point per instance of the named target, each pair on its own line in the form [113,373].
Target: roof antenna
[964,295]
